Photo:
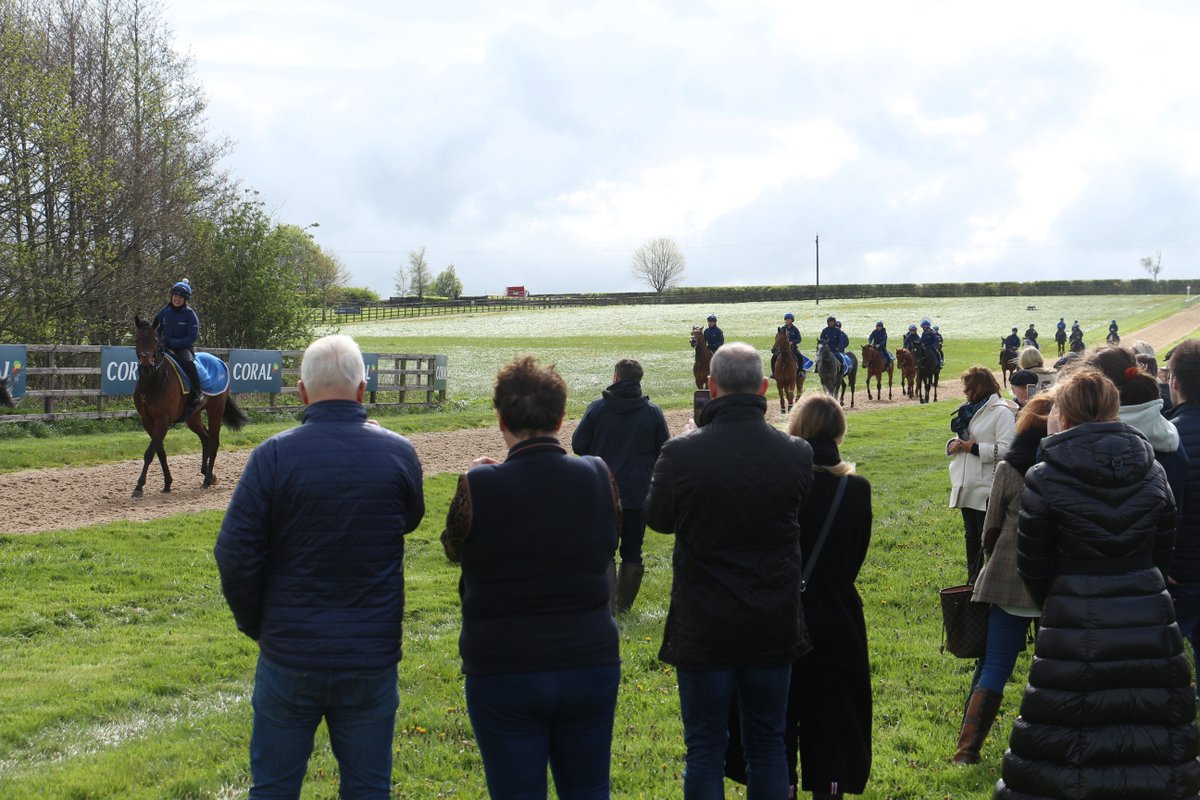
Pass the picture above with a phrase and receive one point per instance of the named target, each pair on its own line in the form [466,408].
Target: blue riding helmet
[912,327]
[924,323]
[712,317]
[789,315]
[831,317]
[183,289]
[879,324]
[935,327]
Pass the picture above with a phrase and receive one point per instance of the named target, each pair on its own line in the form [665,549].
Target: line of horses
[920,370]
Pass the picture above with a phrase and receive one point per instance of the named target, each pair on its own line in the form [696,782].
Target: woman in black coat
[1109,711]
[829,714]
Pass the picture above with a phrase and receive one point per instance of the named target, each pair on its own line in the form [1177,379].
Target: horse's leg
[162,459]
[147,457]
[890,383]
[216,415]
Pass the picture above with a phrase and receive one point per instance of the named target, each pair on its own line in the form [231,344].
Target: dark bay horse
[908,371]
[785,371]
[1060,338]
[833,377]
[160,400]
[1008,362]
[702,360]
[1077,345]
[928,372]
[875,365]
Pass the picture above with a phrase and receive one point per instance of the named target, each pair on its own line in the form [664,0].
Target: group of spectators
[765,627]
[1079,501]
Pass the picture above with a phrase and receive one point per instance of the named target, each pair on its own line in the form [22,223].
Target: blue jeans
[523,720]
[1005,641]
[633,533]
[704,700]
[359,709]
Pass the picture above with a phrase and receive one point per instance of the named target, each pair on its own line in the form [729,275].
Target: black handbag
[964,623]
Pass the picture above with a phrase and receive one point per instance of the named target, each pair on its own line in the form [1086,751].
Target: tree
[1153,265]
[400,281]
[447,284]
[660,263]
[419,274]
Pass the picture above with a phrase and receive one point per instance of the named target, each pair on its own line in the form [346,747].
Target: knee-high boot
[629,581]
[981,713]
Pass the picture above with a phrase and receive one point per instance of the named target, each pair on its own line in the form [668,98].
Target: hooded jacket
[627,431]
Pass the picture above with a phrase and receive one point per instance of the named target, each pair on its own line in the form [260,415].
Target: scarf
[961,419]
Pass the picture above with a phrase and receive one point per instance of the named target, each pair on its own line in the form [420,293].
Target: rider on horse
[878,339]
[180,327]
[912,337]
[835,339]
[1076,332]
[714,337]
[1031,336]
[793,334]
[1012,341]
[1113,336]
[1062,325]
[932,342]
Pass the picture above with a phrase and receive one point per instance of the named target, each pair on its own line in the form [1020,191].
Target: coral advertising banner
[256,371]
[371,367]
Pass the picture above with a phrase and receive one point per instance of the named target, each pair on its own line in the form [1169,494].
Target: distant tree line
[110,191]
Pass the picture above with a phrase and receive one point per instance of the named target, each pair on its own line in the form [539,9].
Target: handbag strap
[812,560]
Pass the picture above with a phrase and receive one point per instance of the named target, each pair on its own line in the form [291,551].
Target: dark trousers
[633,533]
[187,362]
[973,537]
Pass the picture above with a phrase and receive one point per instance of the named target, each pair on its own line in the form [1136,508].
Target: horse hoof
[137,492]
[166,489]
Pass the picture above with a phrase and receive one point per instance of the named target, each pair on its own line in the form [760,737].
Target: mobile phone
[699,401]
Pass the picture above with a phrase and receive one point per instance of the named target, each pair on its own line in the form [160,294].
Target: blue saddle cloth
[845,361]
[805,362]
[213,372]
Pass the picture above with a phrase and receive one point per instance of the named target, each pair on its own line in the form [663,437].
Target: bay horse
[928,372]
[1060,338]
[875,364]
[160,400]
[702,360]
[908,371]
[833,377]
[1008,362]
[786,371]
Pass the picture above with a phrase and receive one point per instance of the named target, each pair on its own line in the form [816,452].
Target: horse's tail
[234,416]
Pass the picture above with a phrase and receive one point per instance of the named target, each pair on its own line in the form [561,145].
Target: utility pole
[818,269]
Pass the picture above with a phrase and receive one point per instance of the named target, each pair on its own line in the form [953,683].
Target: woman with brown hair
[984,427]
[998,583]
[1110,709]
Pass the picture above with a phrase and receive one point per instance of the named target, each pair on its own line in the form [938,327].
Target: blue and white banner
[13,362]
[371,370]
[118,370]
[441,371]
[256,371]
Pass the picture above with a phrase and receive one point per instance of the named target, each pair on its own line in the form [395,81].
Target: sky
[541,143]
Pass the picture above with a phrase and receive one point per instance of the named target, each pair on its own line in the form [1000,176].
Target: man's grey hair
[737,368]
[1140,347]
[332,365]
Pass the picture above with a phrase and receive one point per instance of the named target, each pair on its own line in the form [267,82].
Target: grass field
[122,675]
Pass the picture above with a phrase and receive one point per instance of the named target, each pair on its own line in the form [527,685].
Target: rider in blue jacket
[1112,331]
[932,341]
[832,336]
[912,337]
[714,337]
[878,339]
[1012,341]
[793,334]
[180,327]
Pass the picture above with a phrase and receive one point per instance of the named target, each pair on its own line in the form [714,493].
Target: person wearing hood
[627,431]
[1109,710]
[984,427]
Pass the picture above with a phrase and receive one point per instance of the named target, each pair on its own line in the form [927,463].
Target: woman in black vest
[535,535]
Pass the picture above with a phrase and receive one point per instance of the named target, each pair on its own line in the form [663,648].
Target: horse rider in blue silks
[1031,337]
[912,337]
[1076,332]
[1012,341]
[803,363]
[938,334]
[180,328]
[1062,325]
[836,340]
[932,340]
[714,337]
[1113,336]
[878,339]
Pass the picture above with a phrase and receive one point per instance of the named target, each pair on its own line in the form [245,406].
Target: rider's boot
[194,399]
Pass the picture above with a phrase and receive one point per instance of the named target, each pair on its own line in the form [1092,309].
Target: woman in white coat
[984,426]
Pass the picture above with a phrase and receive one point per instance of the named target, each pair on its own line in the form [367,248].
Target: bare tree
[660,263]
[401,280]
[419,275]
[1153,265]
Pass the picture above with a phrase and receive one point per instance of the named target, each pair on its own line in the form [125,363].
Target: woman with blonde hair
[998,583]
[1031,359]
[1110,709]
[829,714]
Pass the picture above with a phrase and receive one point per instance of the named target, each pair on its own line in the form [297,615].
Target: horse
[1008,362]
[907,363]
[833,377]
[786,371]
[875,364]
[1060,338]
[160,401]
[1077,345]
[928,372]
[702,360]
[1113,338]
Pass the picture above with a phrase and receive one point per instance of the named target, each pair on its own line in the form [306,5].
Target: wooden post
[48,402]
[402,379]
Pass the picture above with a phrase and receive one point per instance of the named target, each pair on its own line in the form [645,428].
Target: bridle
[156,358]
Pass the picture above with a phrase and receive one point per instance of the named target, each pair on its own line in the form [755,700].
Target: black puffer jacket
[1109,710]
[731,493]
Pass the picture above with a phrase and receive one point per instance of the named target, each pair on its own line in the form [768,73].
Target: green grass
[122,675]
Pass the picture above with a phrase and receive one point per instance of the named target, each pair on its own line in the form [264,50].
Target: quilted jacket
[1109,711]
[731,492]
[311,552]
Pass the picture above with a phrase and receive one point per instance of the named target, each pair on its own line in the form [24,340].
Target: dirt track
[37,500]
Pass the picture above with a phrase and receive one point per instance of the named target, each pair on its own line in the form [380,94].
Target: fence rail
[65,373]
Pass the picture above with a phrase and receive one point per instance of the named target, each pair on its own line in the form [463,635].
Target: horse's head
[697,337]
[147,342]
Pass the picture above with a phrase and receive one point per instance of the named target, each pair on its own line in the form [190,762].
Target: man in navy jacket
[311,556]
[1184,575]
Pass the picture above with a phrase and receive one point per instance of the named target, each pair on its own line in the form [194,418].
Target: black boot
[629,581]
[194,399]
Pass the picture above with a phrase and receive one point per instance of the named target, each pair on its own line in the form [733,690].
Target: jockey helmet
[912,327]
[924,323]
[935,327]
[183,289]
[879,324]
[1014,330]
[712,317]
[831,318]
[789,315]
[1114,322]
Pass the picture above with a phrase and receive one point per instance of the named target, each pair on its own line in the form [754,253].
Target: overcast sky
[540,143]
